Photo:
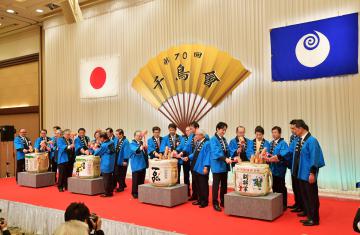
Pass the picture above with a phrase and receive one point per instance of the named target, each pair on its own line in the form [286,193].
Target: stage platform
[41,210]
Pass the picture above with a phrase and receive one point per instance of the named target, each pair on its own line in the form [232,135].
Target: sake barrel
[36,162]
[163,173]
[87,166]
[252,179]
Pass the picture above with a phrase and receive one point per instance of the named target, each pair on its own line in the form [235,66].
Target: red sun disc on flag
[98,77]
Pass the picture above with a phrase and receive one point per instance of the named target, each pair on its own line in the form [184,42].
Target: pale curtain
[241,27]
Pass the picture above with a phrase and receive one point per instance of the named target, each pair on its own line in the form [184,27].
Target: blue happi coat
[311,157]
[292,144]
[63,152]
[153,147]
[203,159]
[81,144]
[188,148]
[218,155]
[122,149]
[106,151]
[20,145]
[137,157]
[264,144]
[281,149]
[233,147]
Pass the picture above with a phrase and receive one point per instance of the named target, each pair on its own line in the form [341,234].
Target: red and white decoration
[99,77]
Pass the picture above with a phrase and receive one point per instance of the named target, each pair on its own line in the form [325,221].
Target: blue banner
[358,185]
[322,48]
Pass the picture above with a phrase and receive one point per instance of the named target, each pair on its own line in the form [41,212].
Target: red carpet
[336,215]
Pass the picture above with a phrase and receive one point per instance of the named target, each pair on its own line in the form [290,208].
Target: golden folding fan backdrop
[185,82]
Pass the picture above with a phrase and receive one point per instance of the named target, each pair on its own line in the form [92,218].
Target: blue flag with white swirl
[316,49]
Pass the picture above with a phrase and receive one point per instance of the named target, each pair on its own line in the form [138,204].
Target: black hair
[110,129]
[195,124]
[57,127]
[300,124]
[104,135]
[221,125]
[81,129]
[77,211]
[43,130]
[121,131]
[259,129]
[156,128]
[172,125]
[277,128]
[292,122]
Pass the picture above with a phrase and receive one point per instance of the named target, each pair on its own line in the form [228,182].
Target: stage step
[36,180]
[163,196]
[267,207]
[86,186]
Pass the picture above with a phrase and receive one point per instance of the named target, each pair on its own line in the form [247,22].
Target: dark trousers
[219,181]
[63,175]
[20,167]
[194,186]
[52,166]
[297,193]
[70,169]
[310,197]
[186,173]
[120,176]
[108,183]
[138,178]
[280,187]
[202,184]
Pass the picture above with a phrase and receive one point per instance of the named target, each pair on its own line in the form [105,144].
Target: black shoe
[61,190]
[203,205]
[310,223]
[192,198]
[217,207]
[302,214]
[296,210]
[135,196]
[304,220]
[196,203]
[292,207]
[119,190]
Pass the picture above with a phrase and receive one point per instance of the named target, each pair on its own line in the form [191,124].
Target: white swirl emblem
[312,49]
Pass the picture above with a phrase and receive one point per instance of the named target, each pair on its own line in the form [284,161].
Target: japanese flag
[99,77]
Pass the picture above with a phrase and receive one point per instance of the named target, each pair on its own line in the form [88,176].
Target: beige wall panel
[19,85]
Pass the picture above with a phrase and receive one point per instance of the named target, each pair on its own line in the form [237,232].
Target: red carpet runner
[336,215]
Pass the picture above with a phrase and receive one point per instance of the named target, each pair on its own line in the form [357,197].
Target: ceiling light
[11,11]
[39,10]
